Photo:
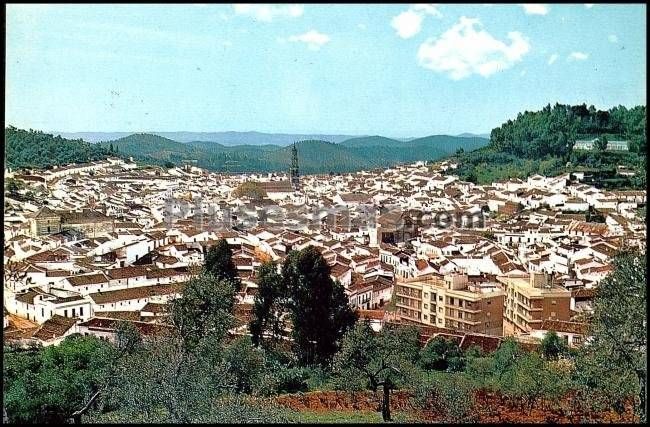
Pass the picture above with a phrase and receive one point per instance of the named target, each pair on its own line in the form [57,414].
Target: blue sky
[395,70]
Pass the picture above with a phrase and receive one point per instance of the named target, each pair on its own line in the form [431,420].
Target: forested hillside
[553,130]
[35,149]
[39,150]
[315,156]
[542,142]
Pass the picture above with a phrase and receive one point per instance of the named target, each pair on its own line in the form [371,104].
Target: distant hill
[371,141]
[316,156]
[36,149]
[224,138]
[474,135]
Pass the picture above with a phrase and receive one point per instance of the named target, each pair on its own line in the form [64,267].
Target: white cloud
[467,49]
[428,8]
[552,59]
[589,5]
[578,56]
[535,8]
[612,38]
[312,38]
[267,12]
[409,23]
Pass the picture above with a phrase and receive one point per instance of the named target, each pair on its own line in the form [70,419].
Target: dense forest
[35,149]
[553,130]
[542,142]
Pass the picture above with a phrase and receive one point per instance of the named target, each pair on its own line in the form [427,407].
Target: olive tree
[371,360]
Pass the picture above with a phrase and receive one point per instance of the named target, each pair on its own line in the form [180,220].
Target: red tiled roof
[565,326]
[54,327]
[371,314]
[88,279]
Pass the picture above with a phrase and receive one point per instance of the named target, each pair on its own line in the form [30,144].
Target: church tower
[293,171]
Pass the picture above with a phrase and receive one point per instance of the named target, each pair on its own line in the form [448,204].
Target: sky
[400,70]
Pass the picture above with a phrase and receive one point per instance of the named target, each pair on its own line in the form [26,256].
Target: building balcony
[467,309]
[465,321]
[528,307]
[407,295]
[407,306]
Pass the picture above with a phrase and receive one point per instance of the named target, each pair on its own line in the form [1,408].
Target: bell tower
[293,171]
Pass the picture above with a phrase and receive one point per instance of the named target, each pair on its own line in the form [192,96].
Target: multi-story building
[45,222]
[531,299]
[451,302]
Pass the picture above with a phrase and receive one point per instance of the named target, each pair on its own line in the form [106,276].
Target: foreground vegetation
[195,371]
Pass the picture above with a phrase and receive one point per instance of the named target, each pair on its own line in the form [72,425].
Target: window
[74,314]
[426,294]
[81,311]
[487,324]
[426,306]
[440,298]
[65,313]
[488,314]
[552,314]
[489,302]
[42,312]
[553,302]
[425,317]
[451,301]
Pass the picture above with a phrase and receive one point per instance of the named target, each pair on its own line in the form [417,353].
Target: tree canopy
[619,325]
[320,313]
[35,149]
[269,306]
[219,263]
[370,360]
[204,309]
[250,189]
[46,385]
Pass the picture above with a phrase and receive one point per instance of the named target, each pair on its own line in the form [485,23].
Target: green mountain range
[35,149]
[315,156]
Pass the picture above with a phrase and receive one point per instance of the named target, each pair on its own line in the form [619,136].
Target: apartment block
[531,299]
[453,302]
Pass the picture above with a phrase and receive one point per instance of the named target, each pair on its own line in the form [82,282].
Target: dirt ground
[488,408]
